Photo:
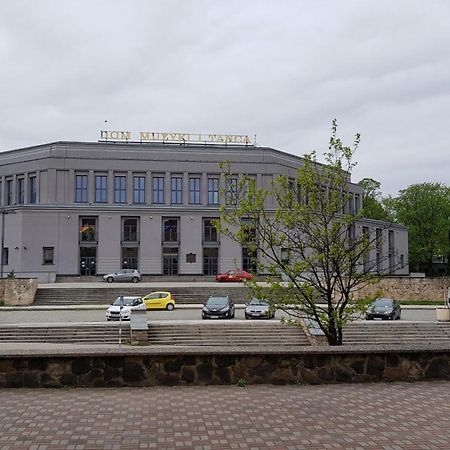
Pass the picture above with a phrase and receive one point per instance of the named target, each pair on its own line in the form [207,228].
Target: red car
[234,275]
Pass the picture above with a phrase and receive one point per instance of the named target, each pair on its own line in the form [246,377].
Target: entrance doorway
[210,260]
[88,261]
[129,258]
[170,260]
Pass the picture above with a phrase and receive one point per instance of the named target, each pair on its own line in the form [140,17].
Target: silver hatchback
[258,309]
[123,275]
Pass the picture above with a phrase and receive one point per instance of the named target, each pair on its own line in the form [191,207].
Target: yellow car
[159,300]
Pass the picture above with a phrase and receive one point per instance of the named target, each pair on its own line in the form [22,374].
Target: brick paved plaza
[357,416]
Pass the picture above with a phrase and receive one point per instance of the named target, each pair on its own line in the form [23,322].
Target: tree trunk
[334,333]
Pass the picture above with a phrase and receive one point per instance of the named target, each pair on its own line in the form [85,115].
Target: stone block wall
[228,368]
[19,291]
[408,288]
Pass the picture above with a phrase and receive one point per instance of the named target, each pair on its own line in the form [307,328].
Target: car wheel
[110,279]
[203,317]
[170,307]
[246,317]
[135,279]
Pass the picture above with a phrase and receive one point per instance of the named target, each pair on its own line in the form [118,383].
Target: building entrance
[210,261]
[170,261]
[88,261]
[129,258]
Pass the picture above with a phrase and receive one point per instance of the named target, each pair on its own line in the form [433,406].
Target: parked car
[122,307]
[159,300]
[234,275]
[218,307]
[123,275]
[383,308]
[258,309]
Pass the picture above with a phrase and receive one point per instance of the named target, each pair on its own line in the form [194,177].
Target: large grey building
[77,208]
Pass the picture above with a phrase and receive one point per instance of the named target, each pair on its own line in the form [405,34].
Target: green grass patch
[421,302]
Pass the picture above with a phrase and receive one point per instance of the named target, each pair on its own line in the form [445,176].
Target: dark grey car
[258,309]
[218,307]
[383,308]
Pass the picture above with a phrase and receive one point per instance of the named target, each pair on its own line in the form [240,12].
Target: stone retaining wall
[315,366]
[408,288]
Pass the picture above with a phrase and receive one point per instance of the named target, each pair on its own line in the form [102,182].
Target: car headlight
[226,308]
[388,311]
[204,309]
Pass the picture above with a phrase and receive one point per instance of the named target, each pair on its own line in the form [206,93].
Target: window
[177,190]
[47,255]
[194,191]
[9,190]
[139,189]
[1,193]
[232,190]
[120,189]
[357,207]
[32,197]
[209,231]
[101,189]
[5,256]
[250,186]
[170,230]
[158,190]
[81,188]
[88,229]
[20,191]
[130,229]
[213,191]
[285,256]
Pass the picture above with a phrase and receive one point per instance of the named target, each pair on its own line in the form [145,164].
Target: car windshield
[257,302]
[383,302]
[217,301]
[127,301]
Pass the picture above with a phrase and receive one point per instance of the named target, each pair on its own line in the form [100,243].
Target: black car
[218,307]
[383,308]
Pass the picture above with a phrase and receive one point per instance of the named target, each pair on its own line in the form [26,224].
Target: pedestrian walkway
[347,416]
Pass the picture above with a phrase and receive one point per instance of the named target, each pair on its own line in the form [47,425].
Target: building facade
[76,208]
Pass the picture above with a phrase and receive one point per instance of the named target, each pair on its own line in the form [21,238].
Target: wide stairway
[202,334]
[395,333]
[65,296]
[66,334]
[225,334]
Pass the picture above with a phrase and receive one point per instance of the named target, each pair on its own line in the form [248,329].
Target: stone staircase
[396,333]
[228,334]
[66,334]
[55,296]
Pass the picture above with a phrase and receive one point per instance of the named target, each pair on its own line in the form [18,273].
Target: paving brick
[346,416]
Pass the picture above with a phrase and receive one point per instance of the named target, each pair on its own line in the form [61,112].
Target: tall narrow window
[32,197]
[1,196]
[194,191]
[130,229]
[209,231]
[232,190]
[213,191]
[9,191]
[48,255]
[5,256]
[120,189]
[158,190]
[88,229]
[170,230]
[177,190]
[81,188]
[138,189]
[101,193]
[20,191]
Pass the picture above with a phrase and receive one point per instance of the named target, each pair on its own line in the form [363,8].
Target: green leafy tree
[425,209]
[373,206]
[303,230]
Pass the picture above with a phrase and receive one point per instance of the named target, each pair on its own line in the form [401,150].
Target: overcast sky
[279,69]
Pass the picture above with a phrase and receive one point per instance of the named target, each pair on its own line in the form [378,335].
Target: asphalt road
[192,313]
